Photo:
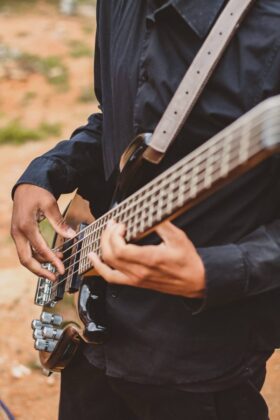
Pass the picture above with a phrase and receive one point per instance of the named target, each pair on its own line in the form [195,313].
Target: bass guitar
[140,205]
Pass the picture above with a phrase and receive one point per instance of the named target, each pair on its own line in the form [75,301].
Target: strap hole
[187,92]
[198,72]
[175,112]
[221,33]
[209,52]
[164,132]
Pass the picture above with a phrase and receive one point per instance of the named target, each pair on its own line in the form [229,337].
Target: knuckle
[24,226]
[14,231]
[143,274]
[24,260]
[119,252]
[49,203]
[155,259]
[41,250]
[107,256]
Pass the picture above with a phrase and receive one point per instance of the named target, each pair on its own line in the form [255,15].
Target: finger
[109,274]
[55,218]
[38,257]
[27,260]
[170,234]
[106,248]
[39,245]
[124,253]
[42,259]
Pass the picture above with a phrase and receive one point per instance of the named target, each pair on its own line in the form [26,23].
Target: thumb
[170,234]
[55,218]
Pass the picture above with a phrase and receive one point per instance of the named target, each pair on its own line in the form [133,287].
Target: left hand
[172,267]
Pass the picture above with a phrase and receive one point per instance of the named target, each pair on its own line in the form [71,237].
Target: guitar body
[143,198]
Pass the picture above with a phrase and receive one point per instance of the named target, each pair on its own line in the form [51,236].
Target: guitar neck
[226,156]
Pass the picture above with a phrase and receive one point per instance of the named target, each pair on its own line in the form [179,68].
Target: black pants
[88,394]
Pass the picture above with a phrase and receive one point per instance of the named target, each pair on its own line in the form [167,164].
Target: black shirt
[143,50]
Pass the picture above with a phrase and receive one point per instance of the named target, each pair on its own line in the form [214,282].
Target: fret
[225,157]
[208,171]
[181,190]
[244,144]
[198,163]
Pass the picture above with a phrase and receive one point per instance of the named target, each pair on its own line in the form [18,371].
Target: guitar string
[186,191]
[93,227]
[155,182]
[68,276]
[153,199]
[90,245]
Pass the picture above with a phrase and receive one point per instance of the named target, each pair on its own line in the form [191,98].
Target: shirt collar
[199,14]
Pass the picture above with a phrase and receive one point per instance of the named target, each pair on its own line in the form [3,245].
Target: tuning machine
[45,331]
[51,319]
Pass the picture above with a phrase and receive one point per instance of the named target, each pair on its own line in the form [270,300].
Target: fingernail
[70,231]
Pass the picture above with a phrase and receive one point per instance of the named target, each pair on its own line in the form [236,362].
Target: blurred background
[46,55]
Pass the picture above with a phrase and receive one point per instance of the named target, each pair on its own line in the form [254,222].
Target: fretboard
[227,155]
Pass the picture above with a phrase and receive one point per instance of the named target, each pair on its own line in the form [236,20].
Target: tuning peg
[49,318]
[37,334]
[45,345]
[36,324]
[53,333]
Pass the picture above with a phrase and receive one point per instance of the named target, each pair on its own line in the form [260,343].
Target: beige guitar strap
[196,78]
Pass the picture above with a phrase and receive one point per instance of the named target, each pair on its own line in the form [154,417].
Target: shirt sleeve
[241,270]
[73,163]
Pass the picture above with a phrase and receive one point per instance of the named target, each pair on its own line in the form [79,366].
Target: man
[193,319]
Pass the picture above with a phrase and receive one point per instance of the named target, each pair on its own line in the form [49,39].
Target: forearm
[244,269]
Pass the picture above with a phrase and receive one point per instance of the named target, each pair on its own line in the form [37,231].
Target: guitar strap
[195,79]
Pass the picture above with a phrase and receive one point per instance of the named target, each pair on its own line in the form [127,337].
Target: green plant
[28,97]
[52,68]
[79,49]
[87,95]
[15,133]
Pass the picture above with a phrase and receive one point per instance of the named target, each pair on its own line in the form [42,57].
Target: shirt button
[114,292]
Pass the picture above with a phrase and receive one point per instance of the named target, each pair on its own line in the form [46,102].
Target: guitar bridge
[43,296]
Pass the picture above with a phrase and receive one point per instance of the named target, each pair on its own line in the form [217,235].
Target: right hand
[30,203]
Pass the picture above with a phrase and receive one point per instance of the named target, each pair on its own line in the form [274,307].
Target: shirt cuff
[45,173]
[226,276]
